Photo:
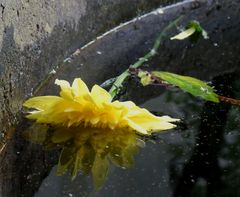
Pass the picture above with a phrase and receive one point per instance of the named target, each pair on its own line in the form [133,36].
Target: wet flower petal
[79,88]
[42,102]
[77,106]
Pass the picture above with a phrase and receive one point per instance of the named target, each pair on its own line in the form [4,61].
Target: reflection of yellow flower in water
[88,149]
[77,106]
[95,148]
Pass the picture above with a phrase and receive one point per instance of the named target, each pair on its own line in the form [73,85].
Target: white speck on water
[99,52]
[18,152]
[70,195]
[117,155]
[223,163]
[215,44]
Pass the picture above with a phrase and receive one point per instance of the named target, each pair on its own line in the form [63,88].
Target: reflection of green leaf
[66,160]
[191,85]
[99,171]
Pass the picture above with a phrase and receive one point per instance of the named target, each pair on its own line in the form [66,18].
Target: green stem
[122,77]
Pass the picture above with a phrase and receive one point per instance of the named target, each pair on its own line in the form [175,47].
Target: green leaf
[184,34]
[193,30]
[145,78]
[191,85]
[199,31]
[99,171]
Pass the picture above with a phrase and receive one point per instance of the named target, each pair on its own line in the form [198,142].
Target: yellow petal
[152,126]
[42,102]
[66,91]
[169,119]
[79,88]
[34,115]
[150,122]
[62,83]
[137,127]
[100,95]
[184,34]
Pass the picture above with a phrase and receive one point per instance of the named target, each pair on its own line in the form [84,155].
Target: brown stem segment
[229,100]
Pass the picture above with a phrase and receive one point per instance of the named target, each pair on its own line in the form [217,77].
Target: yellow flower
[77,106]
